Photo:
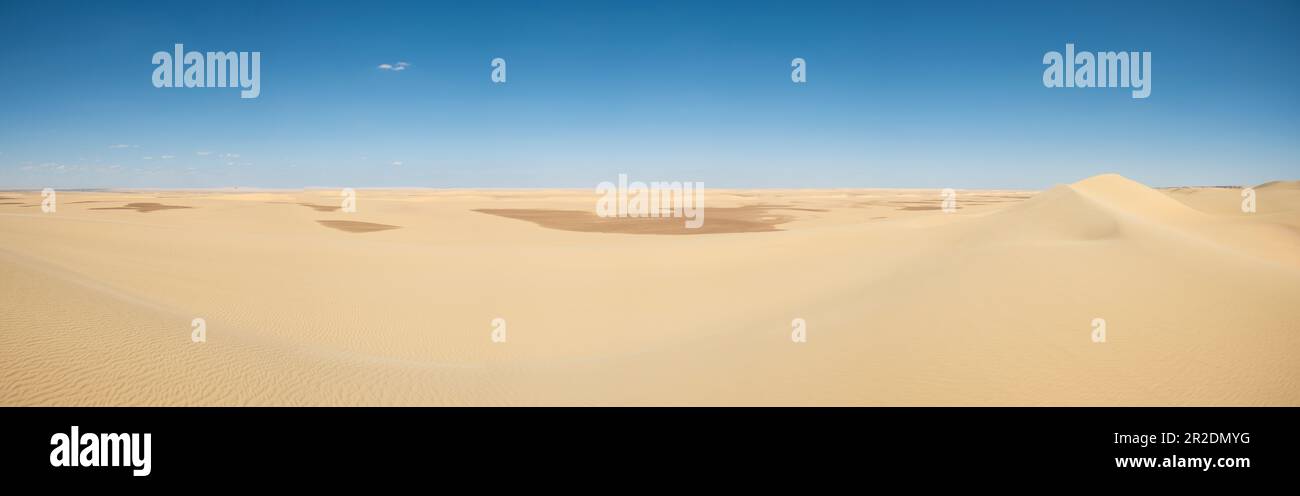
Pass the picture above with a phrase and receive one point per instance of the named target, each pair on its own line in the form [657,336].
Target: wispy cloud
[55,167]
[167,157]
[400,66]
[397,162]
[123,146]
[203,154]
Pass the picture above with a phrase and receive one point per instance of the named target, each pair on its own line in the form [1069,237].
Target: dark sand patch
[91,201]
[752,218]
[926,207]
[313,206]
[353,226]
[321,208]
[11,203]
[143,208]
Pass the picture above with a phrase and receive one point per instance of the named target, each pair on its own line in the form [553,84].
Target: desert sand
[904,304]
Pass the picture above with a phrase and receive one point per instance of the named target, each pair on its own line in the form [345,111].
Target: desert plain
[901,303]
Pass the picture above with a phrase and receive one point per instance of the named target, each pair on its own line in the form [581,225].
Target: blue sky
[899,94]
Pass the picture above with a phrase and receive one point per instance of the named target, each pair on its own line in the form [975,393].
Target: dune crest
[1133,198]
[1280,185]
[1096,208]
[1060,214]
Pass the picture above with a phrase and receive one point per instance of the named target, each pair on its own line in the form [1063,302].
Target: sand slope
[904,304]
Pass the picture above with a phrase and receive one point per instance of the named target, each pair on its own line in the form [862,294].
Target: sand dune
[904,304]
[1129,197]
[1280,185]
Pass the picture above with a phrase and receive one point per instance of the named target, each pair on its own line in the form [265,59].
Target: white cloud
[397,162]
[385,67]
[167,157]
[53,166]
[123,146]
[147,158]
[203,153]
[230,155]
[400,66]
